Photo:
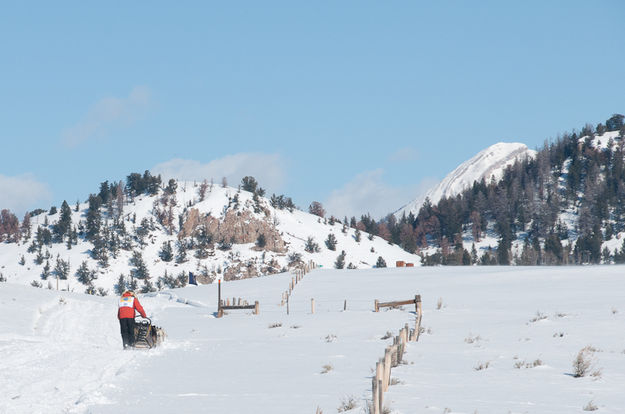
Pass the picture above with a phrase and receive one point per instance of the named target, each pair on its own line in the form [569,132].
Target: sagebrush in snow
[348,403]
[482,366]
[590,406]
[326,368]
[582,362]
[539,317]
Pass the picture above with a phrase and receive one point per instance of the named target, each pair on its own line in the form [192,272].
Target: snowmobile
[147,336]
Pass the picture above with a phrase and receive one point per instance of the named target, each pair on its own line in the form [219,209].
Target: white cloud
[107,113]
[406,154]
[22,193]
[268,169]
[368,193]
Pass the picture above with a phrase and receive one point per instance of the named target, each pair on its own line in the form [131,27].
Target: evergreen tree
[181,255]
[140,270]
[331,242]
[261,241]
[61,269]
[46,271]
[166,254]
[120,287]
[249,183]
[171,187]
[84,274]
[94,218]
[381,262]
[311,246]
[64,225]
[340,261]
[357,236]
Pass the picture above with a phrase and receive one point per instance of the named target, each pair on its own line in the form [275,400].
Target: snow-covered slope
[238,261]
[488,163]
[60,352]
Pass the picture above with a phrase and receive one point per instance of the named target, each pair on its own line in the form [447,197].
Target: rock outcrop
[237,227]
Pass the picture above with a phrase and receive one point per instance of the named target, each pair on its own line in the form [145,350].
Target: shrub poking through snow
[275,325]
[348,403]
[539,317]
[590,406]
[326,368]
[387,335]
[482,366]
[472,339]
[583,362]
[330,338]
[439,304]
[523,364]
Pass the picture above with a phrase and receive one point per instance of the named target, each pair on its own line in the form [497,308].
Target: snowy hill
[172,234]
[487,164]
[495,340]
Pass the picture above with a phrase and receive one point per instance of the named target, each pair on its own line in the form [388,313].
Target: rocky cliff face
[237,227]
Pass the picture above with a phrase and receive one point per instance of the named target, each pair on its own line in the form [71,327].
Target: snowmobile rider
[128,303]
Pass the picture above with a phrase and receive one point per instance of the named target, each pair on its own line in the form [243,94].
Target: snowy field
[60,352]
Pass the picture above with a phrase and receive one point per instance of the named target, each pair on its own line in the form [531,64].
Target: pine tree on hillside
[311,246]
[249,183]
[166,254]
[64,225]
[181,255]
[84,274]
[94,218]
[61,269]
[340,261]
[140,270]
[172,186]
[261,241]
[381,262]
[357,236]
[615,123]
[331,242]
[46,271]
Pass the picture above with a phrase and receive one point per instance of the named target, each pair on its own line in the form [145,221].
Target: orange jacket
[127,305]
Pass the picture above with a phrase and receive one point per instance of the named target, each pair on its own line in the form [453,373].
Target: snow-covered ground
[60,352]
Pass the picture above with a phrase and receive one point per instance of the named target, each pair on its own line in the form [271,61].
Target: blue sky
[359,105]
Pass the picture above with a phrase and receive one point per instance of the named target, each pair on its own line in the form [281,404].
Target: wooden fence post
[419,313]
[312,305]
[219,312]
[387,369]
[345,305]
[375,306]
[376,388]
[287,305]
[256,308]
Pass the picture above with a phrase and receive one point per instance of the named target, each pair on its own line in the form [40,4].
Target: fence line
[299,274]
[393,355]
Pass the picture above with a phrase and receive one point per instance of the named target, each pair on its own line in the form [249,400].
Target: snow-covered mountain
[230,234]
[488,163]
